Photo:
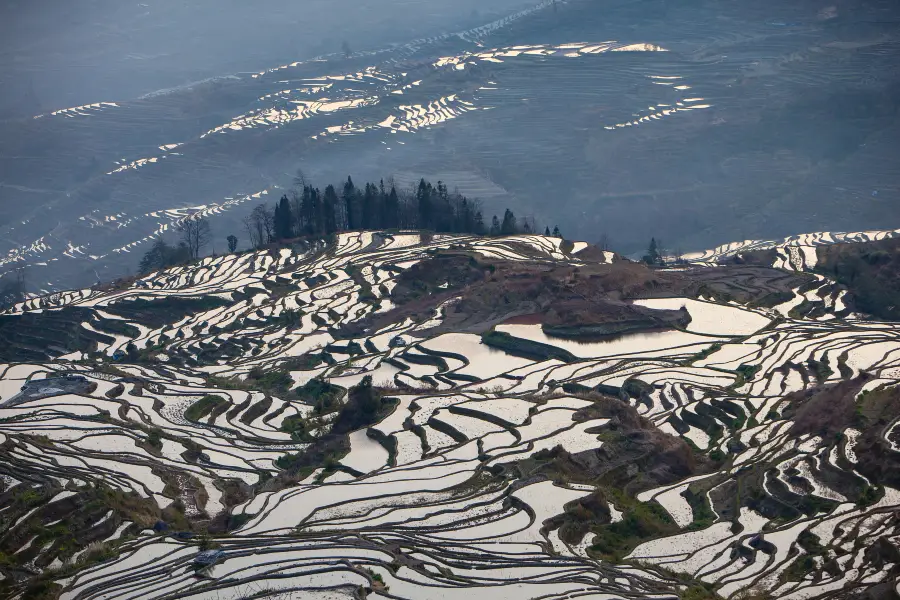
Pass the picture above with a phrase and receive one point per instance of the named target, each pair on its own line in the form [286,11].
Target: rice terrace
[443,416]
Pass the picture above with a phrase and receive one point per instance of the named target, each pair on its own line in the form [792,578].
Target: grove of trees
[309,211]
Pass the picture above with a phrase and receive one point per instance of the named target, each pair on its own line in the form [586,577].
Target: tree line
[309,212]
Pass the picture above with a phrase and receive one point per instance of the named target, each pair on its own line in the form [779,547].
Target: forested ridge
[308,212]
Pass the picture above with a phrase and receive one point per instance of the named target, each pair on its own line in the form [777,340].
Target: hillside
[417,417]
[870,271]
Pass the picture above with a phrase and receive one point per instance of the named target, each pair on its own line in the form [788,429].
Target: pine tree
[478,225]
[382,205]
[509,226]
[495,226]
[283,219]
[423,200]
[392,209]
[318,220]
[465,221]
[556,232]
[232,243]
[369,207]
[329,209]
[547,231]
[349,198]
[652,257]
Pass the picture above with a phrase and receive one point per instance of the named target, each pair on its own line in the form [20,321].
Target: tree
[12,287]
[345,48]
[495,226]
[653,257]
[329,207]
[195,234]
[349,198]
[259,226]
[509,225]
[547,231]
[556,232]
[154,258]
[604,244]
[232,243]
[309,211]
[423,203]
[283,219]
[162,255]
[478,226]
[369,207]
[392,210]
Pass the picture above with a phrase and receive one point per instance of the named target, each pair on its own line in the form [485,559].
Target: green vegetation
[703,514]
[322,395]
[276,380]
[641,521]
[525,348]
[203,407]
[655,255]
[165,310]
[256,410]
[697,592]
[312,212]
[162,255]
[745,373]
[706,352]
[296,426]
[799,568]
[365,406]
[820,368]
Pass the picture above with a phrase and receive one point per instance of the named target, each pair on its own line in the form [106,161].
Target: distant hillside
[871,272]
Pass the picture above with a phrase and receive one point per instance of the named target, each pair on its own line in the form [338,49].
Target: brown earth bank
[870,271]
[585,300]
[634,456]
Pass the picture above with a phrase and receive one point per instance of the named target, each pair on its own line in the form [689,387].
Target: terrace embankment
[568,300]
[634,456]
[870,271]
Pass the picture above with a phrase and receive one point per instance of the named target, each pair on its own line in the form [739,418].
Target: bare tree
[195,234]
[260,225]
[300,179]
[12,287]
[604,244]
[268,224]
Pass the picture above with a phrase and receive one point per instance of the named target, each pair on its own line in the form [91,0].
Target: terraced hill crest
[396,415]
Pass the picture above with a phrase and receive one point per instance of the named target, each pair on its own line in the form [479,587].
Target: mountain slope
[393,416]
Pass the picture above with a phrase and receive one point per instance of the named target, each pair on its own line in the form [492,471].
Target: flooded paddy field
[752,449]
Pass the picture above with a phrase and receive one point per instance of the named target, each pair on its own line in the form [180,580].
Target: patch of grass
[525,348]
[745,373]
[203,407]
[296,426]
[799,568]
[272,379]
[706,352]
[703,514]
[641,521]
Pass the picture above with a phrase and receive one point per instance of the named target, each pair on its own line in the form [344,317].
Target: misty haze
[714,122]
